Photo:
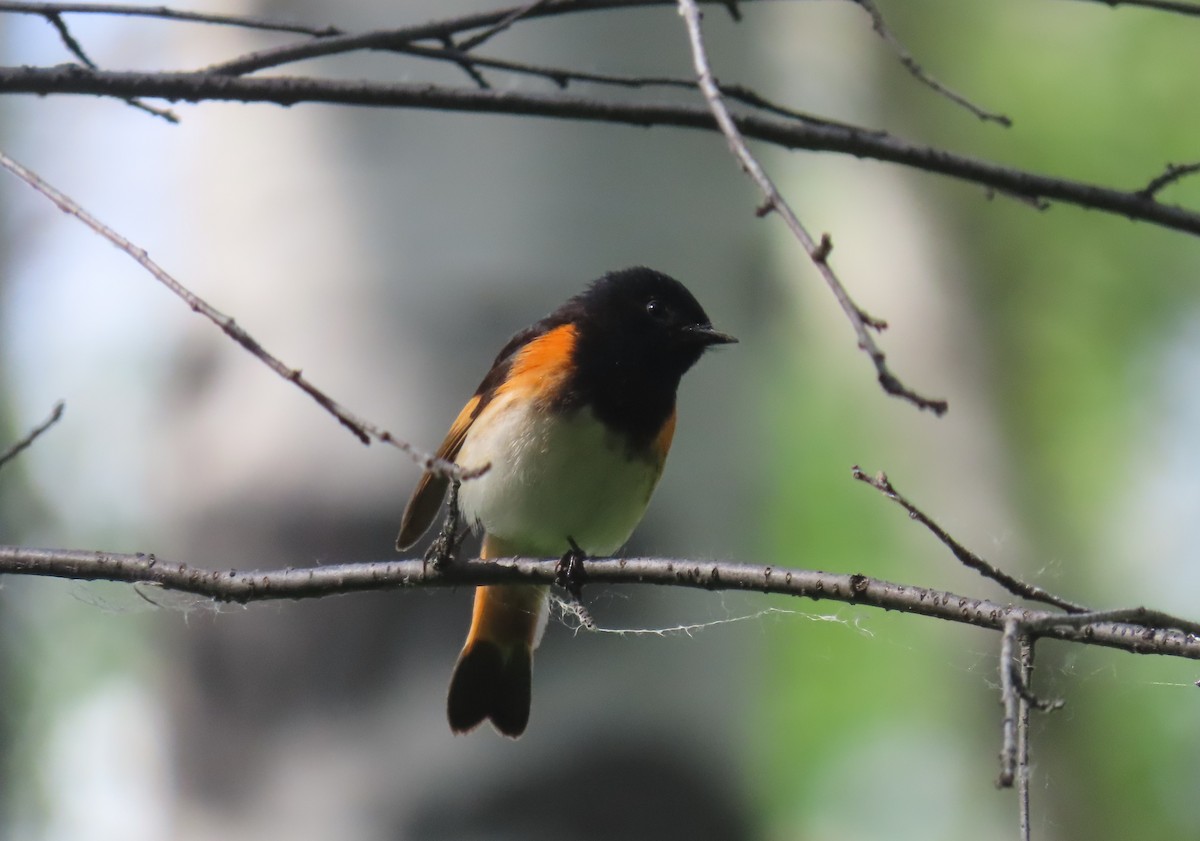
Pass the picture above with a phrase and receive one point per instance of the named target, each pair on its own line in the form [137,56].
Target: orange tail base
[493,677]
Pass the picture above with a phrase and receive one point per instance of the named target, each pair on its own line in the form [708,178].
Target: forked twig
[909,63]
[1173,173]
[968,558]
[54,18]
[362,429]
[818,252]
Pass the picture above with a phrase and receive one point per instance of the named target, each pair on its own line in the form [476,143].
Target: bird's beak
[706,335]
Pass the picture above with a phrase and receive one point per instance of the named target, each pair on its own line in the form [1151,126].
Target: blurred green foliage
[1068,310]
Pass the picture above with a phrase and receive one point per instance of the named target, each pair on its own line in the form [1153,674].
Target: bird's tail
[493,676]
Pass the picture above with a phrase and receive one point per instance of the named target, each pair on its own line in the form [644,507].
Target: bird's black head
[640,317]
[639,333]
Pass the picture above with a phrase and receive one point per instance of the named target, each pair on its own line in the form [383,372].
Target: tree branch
[389,39]
[76,49]
[817,253]
[818,137]
[164,13]
[316,582]
[1175,6]
[362,429]
[909,63]
[33,434]
[968,558]
[1173,173]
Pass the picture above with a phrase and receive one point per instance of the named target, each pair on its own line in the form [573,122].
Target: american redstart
[575,419]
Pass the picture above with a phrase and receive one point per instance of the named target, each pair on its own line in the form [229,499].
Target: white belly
[551,480]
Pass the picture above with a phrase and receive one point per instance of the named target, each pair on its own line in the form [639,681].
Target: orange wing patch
[542,367]
[538,371]
[423,505]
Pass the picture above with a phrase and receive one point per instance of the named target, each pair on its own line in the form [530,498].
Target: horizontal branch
[1175,6]
[439,30]
[315,582]
[849,140]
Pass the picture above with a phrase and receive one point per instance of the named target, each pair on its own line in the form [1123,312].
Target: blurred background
[390,254]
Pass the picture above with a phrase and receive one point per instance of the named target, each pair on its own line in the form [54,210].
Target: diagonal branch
[364,430]
[909,63]
[968,558]
[33,434]
[500,25]
[817,252]
[76,49]
[389,39]
[1173,173]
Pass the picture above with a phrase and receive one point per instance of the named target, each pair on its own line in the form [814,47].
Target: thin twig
[1173,173]
[465,64]
[31,436]
[500,25]
[1131,615]
[1011,700]
[786,134]
[389,39]
[1025,664]
[165,13]
[968,558]
[362,429]
[230,585]
[859,320]
[1159,5]
[917,72]
[72,45]
[76,49]
[563,76]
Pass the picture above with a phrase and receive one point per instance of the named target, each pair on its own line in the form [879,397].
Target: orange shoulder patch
[662,441]
[541,367]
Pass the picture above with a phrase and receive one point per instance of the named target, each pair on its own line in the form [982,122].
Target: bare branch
[31,436]
[500,25]
[76,49]
[1011,700]
[1159,5]
[818,253]
[1173,173]
[1025,664]
[164,13]
[917,72]
[1137,615]
[819,137]
[563,76]
[389,39]
[362,429]
[315,582]
[73,46]
[968,558]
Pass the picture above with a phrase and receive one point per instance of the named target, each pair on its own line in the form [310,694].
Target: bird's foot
[570,573]
[449,537]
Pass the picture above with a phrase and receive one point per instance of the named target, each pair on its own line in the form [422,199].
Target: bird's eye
[656,310]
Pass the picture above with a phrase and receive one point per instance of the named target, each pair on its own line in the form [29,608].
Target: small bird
[575,419]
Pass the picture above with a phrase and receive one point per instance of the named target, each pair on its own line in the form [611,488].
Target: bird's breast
[555,476]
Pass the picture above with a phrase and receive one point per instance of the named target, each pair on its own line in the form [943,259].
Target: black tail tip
[490,683]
